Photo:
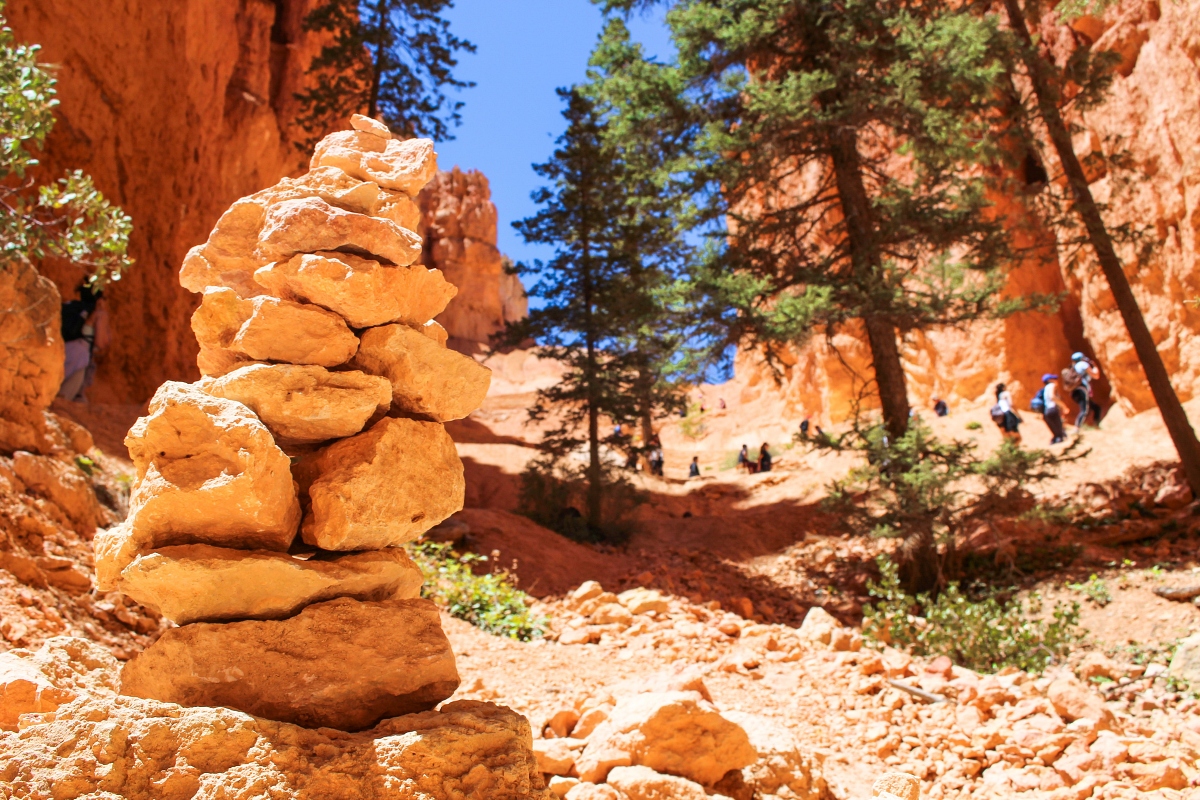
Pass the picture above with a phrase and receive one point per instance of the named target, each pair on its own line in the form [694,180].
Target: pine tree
[843,144]
[388,59]
[669,344]
[582,289]
[1047,81]
[609,308]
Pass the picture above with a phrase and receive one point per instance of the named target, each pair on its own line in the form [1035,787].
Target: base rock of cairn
[273,496]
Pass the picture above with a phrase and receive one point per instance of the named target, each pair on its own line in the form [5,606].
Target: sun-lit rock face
[458,221]
[272,495]
[1151,119]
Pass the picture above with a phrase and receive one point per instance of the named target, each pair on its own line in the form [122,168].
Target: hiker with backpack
[1047,403]
[1077,379]
[84,332]
[1004,415]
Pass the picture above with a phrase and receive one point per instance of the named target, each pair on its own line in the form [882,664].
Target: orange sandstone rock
[200,583]
[427,378]
[381,488]
[369,660]
[305,403]
[399,165]
[364,292]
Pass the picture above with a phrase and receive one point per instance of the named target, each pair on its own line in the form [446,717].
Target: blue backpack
[1038,403]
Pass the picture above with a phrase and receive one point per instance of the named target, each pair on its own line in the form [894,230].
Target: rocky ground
[707,627]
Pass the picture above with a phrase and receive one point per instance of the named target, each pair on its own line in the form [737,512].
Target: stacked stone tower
[273,497]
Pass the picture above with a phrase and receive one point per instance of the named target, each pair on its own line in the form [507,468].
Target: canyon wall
[1151,123]
[176,109]
[458,223]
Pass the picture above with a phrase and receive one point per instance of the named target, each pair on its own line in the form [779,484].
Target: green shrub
[974,425]
[929,492]
[490,601]
[1096,590]
[985,635]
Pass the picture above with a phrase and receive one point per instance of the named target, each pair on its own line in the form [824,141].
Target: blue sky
[527,49]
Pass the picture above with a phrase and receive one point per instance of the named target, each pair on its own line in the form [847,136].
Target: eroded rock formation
[287,434]
[175,110]
[1151,120]
[458,221]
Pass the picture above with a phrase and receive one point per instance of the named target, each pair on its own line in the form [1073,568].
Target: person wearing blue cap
[1077,379]
[1051,412]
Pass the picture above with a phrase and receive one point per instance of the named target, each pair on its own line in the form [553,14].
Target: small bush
[1096,590]
[974,425]
[490,601]
[984,635]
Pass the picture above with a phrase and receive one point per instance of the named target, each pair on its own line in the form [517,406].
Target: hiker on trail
[939,407]
[1048,403]
[804,429]
[743,461]
[1077,379]
[656,461]
[764,459]
[721,403]
[1004,415]
[85,333]
[694,467]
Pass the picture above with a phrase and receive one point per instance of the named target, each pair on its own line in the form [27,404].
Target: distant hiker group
[1076,379]
[763,464]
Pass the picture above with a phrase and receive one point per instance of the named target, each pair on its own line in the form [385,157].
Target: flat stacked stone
[274,496]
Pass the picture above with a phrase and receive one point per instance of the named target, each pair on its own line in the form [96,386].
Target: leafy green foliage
[839,156]
[927,492]
[985,634]
[489,601]
[68,219]
[386,58]
[1095,589]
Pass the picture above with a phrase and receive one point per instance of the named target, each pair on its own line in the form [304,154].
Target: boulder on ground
[305,403]
[643,783]
[381,488]
[363,292]
[230,256]
[818,625]
[677,733]
[25,690]
[200,583]
[400,165]
[643,601]
[340,664]
[269,329]
[427,378]
[39,682]
[900,785]
[1185,664]
[1074,700]
[781,767]
[64,484]
[207,472]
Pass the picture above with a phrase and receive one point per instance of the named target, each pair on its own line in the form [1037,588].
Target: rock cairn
[273,496]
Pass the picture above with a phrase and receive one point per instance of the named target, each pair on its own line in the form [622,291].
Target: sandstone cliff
[176,110]
[458,222]
[1152,121]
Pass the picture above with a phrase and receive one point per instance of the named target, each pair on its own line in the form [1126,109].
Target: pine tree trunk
[867,263]
[1180,429]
